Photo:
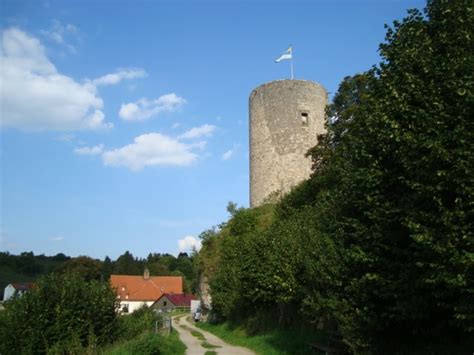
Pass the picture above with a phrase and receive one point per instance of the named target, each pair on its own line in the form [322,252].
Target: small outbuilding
[16,289]
[173,301]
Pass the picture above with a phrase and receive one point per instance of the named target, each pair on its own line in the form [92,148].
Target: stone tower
[285,118]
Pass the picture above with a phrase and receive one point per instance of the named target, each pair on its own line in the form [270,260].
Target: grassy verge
[175,313]
[149,344]
[208,345]
[198,335]
[276,342]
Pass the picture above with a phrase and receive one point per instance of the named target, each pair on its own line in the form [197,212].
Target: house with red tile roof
[169,301]
[136,290]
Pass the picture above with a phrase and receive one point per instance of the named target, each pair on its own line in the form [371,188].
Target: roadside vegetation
[377,246]
[149,344]
[67,314]
[269,342]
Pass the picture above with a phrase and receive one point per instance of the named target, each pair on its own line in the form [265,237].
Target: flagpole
[291,65]
[291,60]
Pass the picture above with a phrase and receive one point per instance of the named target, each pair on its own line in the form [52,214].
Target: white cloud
[35,96]
[189,243]
[57,239]
[145,108]
[153,149]
[66,137]
[205,130]
[119,75]
[95,150]
[175,125]
[58,33]
[227,155]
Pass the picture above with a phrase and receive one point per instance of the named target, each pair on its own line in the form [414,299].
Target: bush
[61,314]
[150,344]
[135,324]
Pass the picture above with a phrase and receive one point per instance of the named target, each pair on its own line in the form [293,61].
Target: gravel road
[210,341]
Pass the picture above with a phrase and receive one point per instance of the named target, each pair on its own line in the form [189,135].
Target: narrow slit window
[304,118]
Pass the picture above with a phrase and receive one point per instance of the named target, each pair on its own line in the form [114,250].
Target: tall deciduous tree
[84,266]
[402,166]
[380,241]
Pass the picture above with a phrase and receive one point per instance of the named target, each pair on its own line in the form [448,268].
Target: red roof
[23,286]
[139,288]
[179,299]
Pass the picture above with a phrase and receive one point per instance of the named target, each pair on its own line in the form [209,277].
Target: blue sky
[124,124]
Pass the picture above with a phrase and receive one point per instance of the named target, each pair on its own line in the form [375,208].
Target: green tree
[28,264]
[62,313]
[400,157]
[237,280]
[126,264]
[379,242]
[85,267]
[107,268]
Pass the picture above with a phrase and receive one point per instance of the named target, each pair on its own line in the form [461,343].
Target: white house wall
[134,305]
[9,292]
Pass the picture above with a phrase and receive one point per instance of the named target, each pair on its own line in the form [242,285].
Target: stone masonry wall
[285,118]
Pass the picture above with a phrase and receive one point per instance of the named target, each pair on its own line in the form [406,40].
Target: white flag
[286,55]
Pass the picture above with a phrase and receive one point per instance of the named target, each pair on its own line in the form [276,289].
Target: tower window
[304,118]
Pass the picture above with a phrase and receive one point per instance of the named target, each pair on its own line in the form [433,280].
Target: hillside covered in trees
[377,245]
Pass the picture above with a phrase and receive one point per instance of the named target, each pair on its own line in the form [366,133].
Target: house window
[304,118]
[125,308]
[164,303]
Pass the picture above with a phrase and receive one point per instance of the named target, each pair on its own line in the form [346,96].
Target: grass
[207,345]
[210,353]
[149,344]
[177,312]
[198,335]
[275,342]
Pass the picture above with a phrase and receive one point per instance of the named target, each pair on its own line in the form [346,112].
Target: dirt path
[199,341]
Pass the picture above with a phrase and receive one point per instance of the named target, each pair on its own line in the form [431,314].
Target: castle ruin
[286,117]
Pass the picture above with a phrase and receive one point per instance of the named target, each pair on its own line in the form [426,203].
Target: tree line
[377,246]
[28,267]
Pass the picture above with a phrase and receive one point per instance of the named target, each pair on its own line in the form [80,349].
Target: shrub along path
[199,341]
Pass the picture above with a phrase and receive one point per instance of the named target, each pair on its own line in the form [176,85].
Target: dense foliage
[67,314]
[28,267]
[150,344]
[62,314]
[72,308]
[137,335]
[378,244]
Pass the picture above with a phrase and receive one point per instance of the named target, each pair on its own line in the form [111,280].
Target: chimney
[146,274]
